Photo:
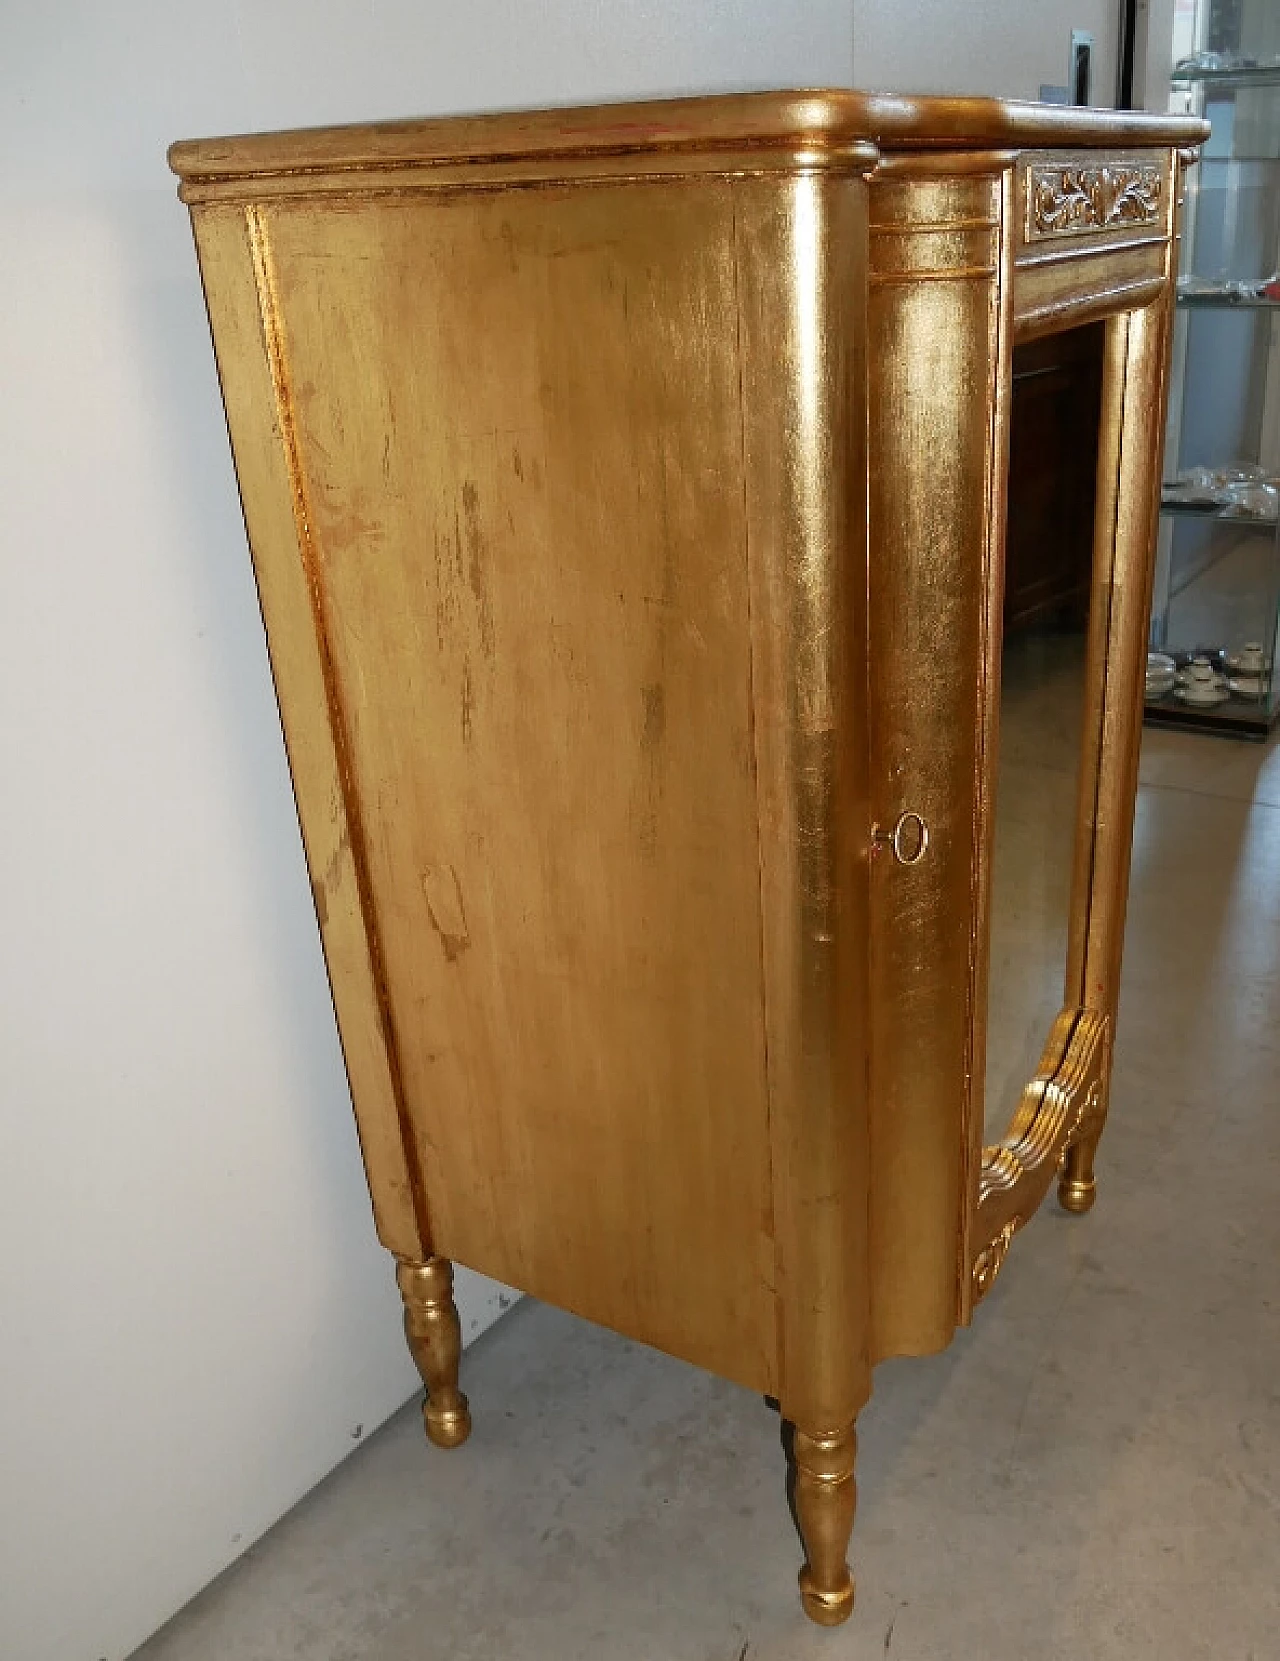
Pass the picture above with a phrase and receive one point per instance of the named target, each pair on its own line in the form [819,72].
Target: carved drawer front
[1091,198]
[1091,235]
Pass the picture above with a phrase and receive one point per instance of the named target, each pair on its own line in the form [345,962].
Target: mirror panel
[1043,704]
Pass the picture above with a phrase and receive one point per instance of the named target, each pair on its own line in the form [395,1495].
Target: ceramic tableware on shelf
[1196,487]
[1250,671]
[1252,499]
[1242,488]
[1200,683]
[1250,660]
[1162,672]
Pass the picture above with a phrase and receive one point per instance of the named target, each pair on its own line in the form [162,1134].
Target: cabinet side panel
[517,418]
[936,335]
[265,467]
[803,279]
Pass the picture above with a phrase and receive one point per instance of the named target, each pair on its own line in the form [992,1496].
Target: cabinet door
[1093,239]
[1003,735]
[1061,782]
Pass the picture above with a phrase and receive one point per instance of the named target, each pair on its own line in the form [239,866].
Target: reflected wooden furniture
[1053,439]
[625,489]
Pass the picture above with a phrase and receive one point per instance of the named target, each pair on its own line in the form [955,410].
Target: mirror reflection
[1043,703]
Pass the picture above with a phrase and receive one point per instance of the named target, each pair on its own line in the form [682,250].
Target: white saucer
[1218,694]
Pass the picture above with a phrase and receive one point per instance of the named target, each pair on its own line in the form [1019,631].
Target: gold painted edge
[793,117]
[504,173]
[274,348]
[990,668]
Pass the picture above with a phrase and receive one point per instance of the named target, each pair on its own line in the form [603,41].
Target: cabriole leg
[435,1341]
[825,1496]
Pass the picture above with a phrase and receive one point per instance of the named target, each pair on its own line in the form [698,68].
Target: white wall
[1155,52]
[1000,48]
[194,1313]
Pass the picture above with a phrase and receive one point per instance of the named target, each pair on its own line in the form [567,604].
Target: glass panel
[1048,575]
[1216,610]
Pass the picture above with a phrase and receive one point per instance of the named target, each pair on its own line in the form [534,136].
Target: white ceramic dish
[1203,698]
[1250,660]
[1162,672]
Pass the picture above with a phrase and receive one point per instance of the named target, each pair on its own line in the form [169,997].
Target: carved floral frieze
[1068,201]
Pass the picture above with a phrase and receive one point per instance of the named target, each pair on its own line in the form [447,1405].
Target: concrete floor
[1092,1472]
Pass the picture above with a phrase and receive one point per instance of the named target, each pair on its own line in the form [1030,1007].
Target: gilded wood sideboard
[626,489]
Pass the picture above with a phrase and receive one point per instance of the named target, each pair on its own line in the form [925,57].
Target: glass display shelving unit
[1217,592]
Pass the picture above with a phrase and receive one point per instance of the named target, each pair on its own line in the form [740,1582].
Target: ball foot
[447,1427]
[1077,1194]
[827,1608]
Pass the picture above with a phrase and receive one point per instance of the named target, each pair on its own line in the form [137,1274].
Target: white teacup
[1200,682]
[1251,659]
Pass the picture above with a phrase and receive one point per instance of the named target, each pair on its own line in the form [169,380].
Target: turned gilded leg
[435,1341]
[825,1496]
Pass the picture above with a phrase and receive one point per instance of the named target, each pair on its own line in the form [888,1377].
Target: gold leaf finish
[1017,1172]
[435,1341]
[986,1265]
[826,1498]
[625,491]
[1066,1088]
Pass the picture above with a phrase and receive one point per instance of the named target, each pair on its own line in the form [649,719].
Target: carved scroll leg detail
[1077,1185]
[825,1497]
[435,1341]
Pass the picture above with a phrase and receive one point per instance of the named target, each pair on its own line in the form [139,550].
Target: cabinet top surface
[861,124]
